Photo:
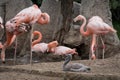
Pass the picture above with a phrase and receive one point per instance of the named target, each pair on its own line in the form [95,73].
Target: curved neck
[38,39]
[67,60]
[84,33]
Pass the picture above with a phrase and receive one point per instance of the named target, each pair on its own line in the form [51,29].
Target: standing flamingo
[28,15]
[95,26]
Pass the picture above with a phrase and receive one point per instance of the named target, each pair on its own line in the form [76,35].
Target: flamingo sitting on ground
[42,47]
[63,50]
[75,67]
[1,27]
[96,26]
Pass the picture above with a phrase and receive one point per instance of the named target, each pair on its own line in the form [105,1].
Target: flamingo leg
[8,42]
[93,46]
[103,51]
[96,46]
[31,46]
[15,51]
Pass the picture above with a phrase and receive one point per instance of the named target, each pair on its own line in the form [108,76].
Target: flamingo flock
[23,21]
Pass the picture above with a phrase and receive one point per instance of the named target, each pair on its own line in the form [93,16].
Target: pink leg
[93,46]
[6,44]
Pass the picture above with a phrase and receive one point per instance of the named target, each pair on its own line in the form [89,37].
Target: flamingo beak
[2,26]
[74,19]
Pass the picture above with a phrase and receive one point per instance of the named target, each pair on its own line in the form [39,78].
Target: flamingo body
[40,47]
[63,50]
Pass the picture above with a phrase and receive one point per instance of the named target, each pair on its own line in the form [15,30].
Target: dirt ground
[107,69]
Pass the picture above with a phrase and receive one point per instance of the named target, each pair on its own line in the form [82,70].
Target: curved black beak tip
[3,62]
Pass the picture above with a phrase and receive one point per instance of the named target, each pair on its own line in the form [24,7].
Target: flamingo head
[43,19]
[79,17]
[74,51]
[52,45]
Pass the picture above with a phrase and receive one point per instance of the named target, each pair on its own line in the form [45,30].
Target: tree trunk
[66,11]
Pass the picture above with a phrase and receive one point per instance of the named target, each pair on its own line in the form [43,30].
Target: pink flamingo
[63,50]
[44,47]
[95,26]
[39,34]
[28,15]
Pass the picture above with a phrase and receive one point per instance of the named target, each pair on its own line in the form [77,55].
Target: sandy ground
[53,70]
[24,76]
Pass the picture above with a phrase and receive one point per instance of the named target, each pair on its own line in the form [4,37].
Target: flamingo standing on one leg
[28,15]
[94,27]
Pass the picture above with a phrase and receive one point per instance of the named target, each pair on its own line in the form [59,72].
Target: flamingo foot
[93,57]
[3,62]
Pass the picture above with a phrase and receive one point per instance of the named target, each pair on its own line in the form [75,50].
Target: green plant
[117,27]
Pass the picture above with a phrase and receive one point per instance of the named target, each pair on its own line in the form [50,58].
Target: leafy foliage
[117,27]
[37,2]
[79,1]
[114,4]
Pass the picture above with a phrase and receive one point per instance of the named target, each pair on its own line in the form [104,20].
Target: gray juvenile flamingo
[75,67]
[96,26]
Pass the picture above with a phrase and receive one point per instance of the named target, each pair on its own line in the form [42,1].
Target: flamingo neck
[38,39]
[84,33]
[67,60]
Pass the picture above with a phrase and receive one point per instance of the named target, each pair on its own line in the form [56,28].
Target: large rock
[101,8]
